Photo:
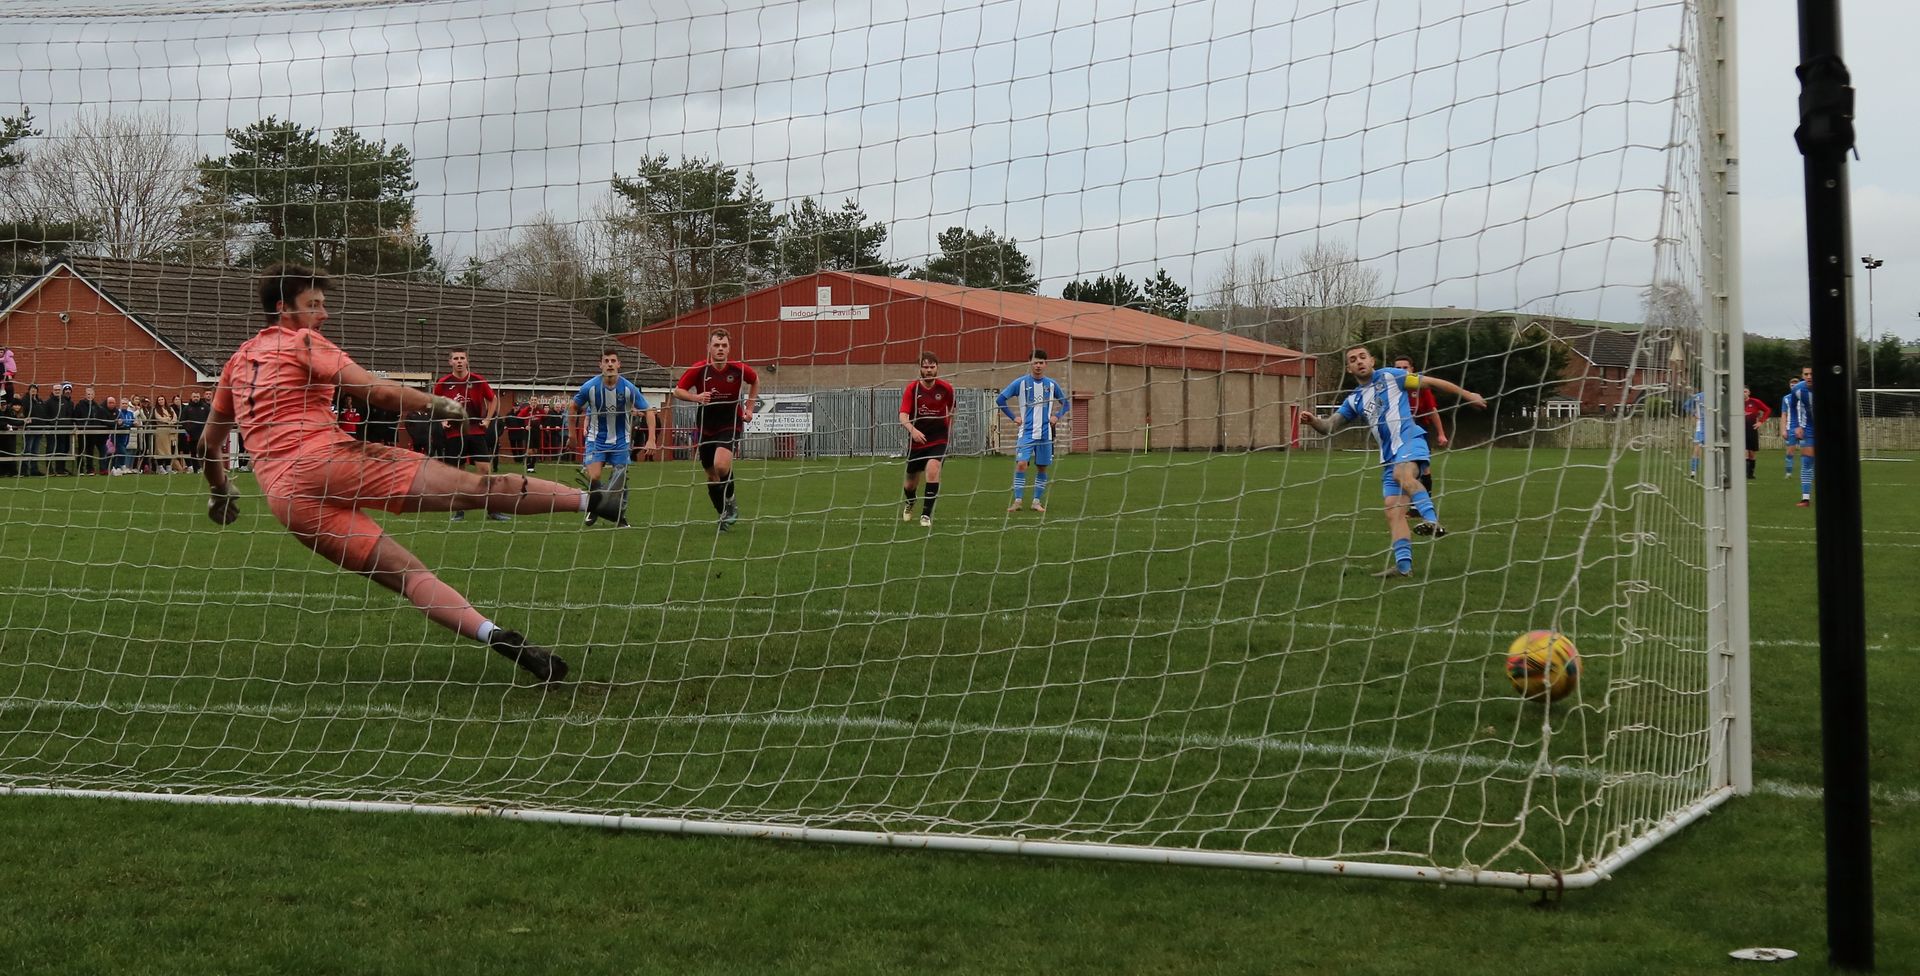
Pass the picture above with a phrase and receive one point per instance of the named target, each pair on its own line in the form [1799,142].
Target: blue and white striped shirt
[1035,415]
[1802,413]
[609,410]
[1383,403]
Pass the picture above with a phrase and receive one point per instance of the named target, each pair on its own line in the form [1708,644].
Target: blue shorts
[1389,485]
[617,455]
[1039,452]
[1699,436]
[1793,440]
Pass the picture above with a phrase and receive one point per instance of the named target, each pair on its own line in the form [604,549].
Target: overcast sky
[1482,153]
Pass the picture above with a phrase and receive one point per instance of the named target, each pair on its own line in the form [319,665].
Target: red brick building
[1608,368]
[144,328]
[1137,379]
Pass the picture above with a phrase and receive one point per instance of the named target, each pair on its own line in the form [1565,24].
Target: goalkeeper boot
[607,503]
[545,666]
[609,500]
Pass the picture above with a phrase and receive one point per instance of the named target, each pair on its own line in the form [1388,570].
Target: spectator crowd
[68,432]
[63,432]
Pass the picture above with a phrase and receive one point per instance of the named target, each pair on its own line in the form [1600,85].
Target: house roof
[1611,348]
[387,326]
[1082,321]
[1608,346]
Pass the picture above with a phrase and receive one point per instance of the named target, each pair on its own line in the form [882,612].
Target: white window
[1563,409]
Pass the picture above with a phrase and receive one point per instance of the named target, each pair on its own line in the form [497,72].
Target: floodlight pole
[1825,136]
[1873,338]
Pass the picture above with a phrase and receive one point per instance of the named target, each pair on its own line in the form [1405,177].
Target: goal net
[1195,211]
[1889,424]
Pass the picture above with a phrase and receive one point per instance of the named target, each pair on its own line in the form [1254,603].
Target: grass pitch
[1185,650]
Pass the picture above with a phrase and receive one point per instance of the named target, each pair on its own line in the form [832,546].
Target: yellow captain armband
[1412,382]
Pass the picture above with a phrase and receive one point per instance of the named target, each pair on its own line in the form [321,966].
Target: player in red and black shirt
[1757,413]
[926,411]
[473,440]
[724,389]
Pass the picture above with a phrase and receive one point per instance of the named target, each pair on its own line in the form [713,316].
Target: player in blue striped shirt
[1697,409]
[608,403]
[1381,402]
[1038,395]
[1787,431]
[1801,422]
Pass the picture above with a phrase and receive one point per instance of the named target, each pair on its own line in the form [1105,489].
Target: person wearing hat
[64,414]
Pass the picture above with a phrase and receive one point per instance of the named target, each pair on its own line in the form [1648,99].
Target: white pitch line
[1175,743]
[336,601]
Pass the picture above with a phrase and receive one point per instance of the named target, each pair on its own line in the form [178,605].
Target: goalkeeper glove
[446,408]
[223,504]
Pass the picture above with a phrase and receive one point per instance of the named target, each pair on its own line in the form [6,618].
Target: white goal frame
[1726,559]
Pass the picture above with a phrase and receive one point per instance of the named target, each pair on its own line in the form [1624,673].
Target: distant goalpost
[1889,424]
[1179,663]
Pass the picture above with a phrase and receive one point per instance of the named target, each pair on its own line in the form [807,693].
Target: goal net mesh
[1195,209]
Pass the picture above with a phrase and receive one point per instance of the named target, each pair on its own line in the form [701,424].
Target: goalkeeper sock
[717,493]
[1040,488]
[1019,485]
[486,630]
[441,603]
[933,489]
[1423,503]
[1403,555]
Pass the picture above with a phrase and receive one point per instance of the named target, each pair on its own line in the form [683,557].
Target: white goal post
[1193,212]
[1889,424]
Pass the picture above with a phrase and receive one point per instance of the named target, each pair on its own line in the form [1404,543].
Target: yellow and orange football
[1543,664]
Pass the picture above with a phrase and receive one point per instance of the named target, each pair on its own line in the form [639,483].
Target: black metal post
[1825,137]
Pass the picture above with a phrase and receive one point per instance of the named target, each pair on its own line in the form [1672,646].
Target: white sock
[585,502]
[486,630]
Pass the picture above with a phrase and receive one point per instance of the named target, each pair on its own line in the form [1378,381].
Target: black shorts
[466,448]
[710,444]
[1753,438]
[918,457]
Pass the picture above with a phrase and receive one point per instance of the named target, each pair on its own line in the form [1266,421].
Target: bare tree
[127,176]
[1326,295]
[544,255]
[1244,298]
[603,264]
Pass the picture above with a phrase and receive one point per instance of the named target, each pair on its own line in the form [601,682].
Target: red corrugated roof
[1080,321]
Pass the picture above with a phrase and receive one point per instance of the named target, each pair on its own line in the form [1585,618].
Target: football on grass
[1543,664]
